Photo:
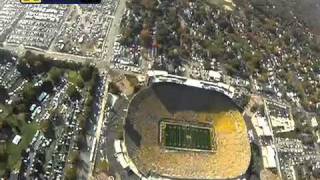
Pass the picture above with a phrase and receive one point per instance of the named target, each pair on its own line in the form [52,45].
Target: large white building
[279,116]
[261,126]
[268,156]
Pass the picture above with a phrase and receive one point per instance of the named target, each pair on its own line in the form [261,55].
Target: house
[214,75]
[313,122]
[16,140]
[42,96]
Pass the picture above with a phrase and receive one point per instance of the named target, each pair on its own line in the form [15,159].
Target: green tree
[148,4]
[3,94]
[24,69]
[119,132]
[55,75]
[70,173]
[30,93]
[86,72]
[256,161]
[38,63]
[103,166]
[19,107]
[47,128]
[146,38]
[230,69]
[73,93]
[3,153]
[76,79]
[47,86]
[81,141]
[253,60]
[74,158]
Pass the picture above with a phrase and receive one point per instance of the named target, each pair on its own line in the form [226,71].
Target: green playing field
[187,137]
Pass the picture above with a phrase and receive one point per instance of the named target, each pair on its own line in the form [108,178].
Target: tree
[86,72]
[47,86]
[148,4]
[5,56]
[55,74]
[146,38]
[37,63]
[256,161]
[103,166]
[44,125]
[81,141]
[73,93]
[162,33]
[76,79]
[70,173]
[230,70]
[19,107]
[245,101]
[74,158]
[120,132]
[3,94]
[30,93]
[252,60]
[3,152]
[89,100]
[47,128]
[24,69]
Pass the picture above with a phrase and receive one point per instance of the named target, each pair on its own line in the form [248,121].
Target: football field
[187,137]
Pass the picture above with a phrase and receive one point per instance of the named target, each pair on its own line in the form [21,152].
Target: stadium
[181,132]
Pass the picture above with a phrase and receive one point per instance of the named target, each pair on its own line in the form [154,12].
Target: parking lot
[37,26]
[126,59]
[51,127]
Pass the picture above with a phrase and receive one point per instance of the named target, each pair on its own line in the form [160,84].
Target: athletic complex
[182,132]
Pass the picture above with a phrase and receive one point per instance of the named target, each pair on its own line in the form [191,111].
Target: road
[99,125]
[83,172]
[103,64]
[50,54]
[107,54]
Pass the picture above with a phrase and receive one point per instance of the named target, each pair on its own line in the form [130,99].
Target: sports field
[181,132]
[187,137]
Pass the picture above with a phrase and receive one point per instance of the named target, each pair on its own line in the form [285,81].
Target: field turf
[187,137]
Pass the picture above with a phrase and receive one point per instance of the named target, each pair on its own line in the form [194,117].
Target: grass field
[13,151]
[187,137]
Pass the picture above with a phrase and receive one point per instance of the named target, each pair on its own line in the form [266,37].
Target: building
[279,115]
[261,126]
[214,75]
[16,140]
[281,124]
[163,76]
[313,122]
[268,157]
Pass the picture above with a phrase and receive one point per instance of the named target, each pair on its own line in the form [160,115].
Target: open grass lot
[187,137]
[14,151]
[28,131]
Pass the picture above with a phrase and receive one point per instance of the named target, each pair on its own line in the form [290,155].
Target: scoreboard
[60,1]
